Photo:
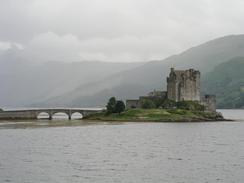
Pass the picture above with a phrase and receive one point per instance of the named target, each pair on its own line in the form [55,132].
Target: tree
[148,104]
[120,106]
[168,104]
[111,105]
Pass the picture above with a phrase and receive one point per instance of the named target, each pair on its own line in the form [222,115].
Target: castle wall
[209,102]
[184,85]
[130,104]
[172,87]
[154,95]
[190,87]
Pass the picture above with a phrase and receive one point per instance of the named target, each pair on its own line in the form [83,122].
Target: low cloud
[69,48]
[8,45]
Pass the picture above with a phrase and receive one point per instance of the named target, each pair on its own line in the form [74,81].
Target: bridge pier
[69,114]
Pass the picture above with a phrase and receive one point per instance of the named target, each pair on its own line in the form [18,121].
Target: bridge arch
[60,115]
[43,115]
[76,115]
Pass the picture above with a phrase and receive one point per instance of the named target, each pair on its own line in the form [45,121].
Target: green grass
[157,115]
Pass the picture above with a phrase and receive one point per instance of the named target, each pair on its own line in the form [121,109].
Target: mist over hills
[24,82]
[152,75]
[88,84]
[226,81]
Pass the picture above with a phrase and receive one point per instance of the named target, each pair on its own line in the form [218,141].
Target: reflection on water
[57,122]
[79,151]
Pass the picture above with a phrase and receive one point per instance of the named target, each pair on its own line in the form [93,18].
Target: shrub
[119,107]
[158,102]
[148,104]
[111,105]
[190,105]
[114,106]
[168,104]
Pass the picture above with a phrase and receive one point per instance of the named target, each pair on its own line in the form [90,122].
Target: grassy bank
[158,115]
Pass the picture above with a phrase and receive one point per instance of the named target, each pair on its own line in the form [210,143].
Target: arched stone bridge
[33,113]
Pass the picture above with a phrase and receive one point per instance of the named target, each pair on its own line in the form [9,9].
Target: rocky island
[181,102]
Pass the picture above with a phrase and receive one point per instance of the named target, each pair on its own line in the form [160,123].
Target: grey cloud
[121,30]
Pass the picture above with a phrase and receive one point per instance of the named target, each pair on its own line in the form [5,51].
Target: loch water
[79,151]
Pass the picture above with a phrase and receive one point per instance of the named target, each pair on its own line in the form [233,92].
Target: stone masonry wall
[184,85]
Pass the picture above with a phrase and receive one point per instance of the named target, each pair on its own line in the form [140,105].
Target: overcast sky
[113,30]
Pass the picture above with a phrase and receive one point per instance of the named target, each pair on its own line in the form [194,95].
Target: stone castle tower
[183,85]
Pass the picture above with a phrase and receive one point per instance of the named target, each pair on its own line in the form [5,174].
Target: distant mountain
[206,56]
[24,82]
[227,82]
[152,75]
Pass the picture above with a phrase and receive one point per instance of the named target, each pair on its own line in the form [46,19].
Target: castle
[182,85]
